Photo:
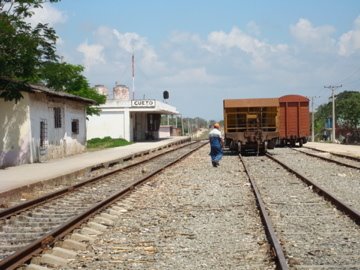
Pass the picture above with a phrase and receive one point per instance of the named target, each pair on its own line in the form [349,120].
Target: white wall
[110,122]
[61,141]
[20,129]
[15,133]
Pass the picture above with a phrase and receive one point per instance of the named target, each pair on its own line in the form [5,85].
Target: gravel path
[192,216]
[341,181]
[313,233]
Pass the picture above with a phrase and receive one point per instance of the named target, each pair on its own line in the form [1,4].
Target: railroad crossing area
[13,178]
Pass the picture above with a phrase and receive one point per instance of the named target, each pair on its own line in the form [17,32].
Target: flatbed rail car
[294,120]
[251,125]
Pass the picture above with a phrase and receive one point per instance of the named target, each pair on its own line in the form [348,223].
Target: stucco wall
[20,129]
[15,133]
[61,141]
[110,122]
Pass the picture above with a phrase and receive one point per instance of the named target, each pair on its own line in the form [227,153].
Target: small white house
[43,125]
[130,119]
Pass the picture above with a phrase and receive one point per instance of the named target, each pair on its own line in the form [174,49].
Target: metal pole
[333,88]
[333,115]
[182,126]
[312,120]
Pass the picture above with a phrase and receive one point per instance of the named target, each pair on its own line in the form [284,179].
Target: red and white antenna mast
[133,74]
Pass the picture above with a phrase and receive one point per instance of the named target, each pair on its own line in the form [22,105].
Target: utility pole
[312,118]
[182,126]
[333,88]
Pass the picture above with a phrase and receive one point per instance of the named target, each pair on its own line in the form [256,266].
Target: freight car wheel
[271,144]
[301,142]
[239,147]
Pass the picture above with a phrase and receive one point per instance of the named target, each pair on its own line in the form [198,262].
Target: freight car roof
[251,102]
[293,98]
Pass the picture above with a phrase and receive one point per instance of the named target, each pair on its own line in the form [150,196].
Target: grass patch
[106,142]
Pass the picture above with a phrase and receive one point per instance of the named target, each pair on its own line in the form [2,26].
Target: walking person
[216,145]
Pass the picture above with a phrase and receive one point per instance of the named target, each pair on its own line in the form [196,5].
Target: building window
[75,126]
[43,133]
[57,117]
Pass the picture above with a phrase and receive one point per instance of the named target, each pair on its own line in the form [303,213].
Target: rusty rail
[6,213]
[280,257]
[351,212]
[25,254]
[335,154]
[331,160]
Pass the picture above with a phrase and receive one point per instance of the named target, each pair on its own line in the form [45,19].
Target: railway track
[27,228]
[340,180]
[193,216]
[312,233]
[347,161]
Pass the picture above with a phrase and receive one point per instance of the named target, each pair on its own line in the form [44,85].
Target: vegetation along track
[312,232]
[341,181]
[37,223]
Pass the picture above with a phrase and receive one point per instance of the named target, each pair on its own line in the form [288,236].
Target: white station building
[130,119]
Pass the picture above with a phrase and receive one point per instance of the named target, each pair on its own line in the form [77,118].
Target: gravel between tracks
[341,181]
[313,233]
[193,216]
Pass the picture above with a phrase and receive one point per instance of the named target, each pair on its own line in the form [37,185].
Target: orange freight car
[294,120]
[251,125]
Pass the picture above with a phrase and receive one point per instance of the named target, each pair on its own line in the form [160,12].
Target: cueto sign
[143,103]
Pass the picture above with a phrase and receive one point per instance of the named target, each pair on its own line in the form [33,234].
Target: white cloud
[349,42]
[316,38]
[130,41]
[257,49]
[146,57]
[93,54]
[48,14]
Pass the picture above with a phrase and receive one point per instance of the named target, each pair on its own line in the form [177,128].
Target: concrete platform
[343,149]
[12,178]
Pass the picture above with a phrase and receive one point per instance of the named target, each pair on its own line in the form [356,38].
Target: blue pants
[216,153]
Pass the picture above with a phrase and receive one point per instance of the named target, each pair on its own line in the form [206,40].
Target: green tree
[322,113]
[68,78]
[347,111]
[27,55]
[23,48]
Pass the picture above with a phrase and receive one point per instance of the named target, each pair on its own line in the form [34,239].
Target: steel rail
[8,212]
[351,212]
[329,159]
[25,254]
[269,228]
[335,154]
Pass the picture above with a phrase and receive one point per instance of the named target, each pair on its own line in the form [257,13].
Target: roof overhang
[139,105]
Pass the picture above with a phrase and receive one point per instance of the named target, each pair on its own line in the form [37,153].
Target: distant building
[43,125]
[132,120]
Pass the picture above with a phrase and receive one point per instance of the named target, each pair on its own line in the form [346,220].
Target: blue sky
[205,51]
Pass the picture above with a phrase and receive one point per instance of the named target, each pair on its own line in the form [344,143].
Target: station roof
[139,105]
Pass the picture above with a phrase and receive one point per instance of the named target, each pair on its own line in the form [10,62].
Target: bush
[106,142]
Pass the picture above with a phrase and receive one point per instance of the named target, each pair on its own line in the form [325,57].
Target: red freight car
[294,120]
